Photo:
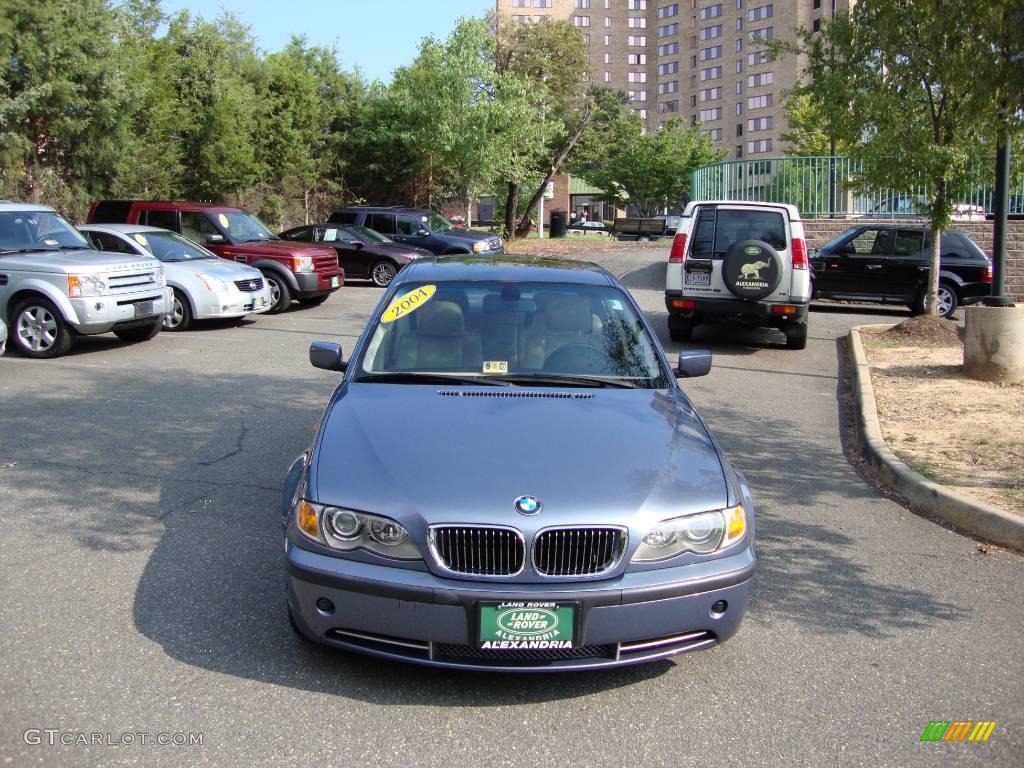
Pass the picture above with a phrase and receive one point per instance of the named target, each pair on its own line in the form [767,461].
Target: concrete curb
[972,516]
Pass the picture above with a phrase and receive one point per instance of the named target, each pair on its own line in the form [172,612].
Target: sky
[375,35]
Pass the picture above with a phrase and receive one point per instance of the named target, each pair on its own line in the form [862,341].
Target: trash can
[557,228]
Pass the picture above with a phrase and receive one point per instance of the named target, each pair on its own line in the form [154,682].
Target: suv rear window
[718,229]
[343,217]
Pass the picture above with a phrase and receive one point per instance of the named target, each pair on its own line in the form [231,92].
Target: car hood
[433,454]
[398,249]
[472,235]
[80,262]
[274,248]
[218,267]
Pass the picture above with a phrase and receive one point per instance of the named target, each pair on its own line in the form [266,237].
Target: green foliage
[649,170]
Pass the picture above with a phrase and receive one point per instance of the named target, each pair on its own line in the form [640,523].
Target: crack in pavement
[237,450]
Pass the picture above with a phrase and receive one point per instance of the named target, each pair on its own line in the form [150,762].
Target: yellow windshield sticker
[224,221]
[495,366]
[141,240]
[410,302]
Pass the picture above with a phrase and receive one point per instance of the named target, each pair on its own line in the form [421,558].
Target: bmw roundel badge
[527,505]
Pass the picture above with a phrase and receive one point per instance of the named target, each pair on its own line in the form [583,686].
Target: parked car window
[38,229]
[737,226]
[195,226]
[381,222]
[303,234]
[365,234]
[164,219]
[871,242]
[908,242]
[168,246]
[437,223]
[409,225]
[344,217]
[244,227]
[704,234]
[110,243]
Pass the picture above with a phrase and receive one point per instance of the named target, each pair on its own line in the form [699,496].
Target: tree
[894,78]
[650,170]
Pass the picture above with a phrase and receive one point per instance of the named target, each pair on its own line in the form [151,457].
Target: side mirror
[813,253]
[327,355]
[359,244]
[214,239]
[422,232]
[693,363]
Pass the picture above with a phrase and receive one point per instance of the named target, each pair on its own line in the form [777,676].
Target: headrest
[568,313]
[440,318]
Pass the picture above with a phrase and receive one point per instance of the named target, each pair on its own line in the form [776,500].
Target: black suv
[419,227]
[889,265]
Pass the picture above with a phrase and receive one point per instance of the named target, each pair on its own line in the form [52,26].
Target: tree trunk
[511,203]
[305,205]
[939,209]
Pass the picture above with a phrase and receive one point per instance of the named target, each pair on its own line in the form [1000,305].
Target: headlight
[345,529]
[82,286]
[213,284]
[479,246]
[302,263]
[702,533]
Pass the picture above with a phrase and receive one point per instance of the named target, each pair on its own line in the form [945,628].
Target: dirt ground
[965,434]
[574,246]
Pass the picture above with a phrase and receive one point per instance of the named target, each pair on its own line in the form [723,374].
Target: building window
[607,58]
[668,106]
[762,12]
[668,30]
[693,100]
[817,5]
[707,115]
[710,33]
[607,21]
[668,49]
[693,62]
[739,45]
[637,95]
[711,94]
[739,5]
[714,52]
[580,3]
[642,113]
[581,21]
[636,5]
[715,134]
[670,87]
[762,78]
[668,68]
[637,77]
[759,102]
[739,25]
[739,108]
[711,73]
[637,22]
[759,123]
[739,151]
[762,145]
[760,35]
[739,87]
[636,58]
[607,77]
[739,129]
[607,39]
[639,41]
[544,4]
[520,3]
[816,25]
[759,57]
[668,10]
[711,12]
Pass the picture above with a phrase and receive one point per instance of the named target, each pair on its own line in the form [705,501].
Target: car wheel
[280,293]
[180,318]
[643,239]
[796,336]
[140,333]
[383,273]
[948,300]
[314,301]
[39,330]
[680,328]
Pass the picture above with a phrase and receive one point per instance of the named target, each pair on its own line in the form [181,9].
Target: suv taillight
[986,276]
[678,252]
[799,254]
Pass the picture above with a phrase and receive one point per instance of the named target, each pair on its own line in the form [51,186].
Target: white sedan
[206,287]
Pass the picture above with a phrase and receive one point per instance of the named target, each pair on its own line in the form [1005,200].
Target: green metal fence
[824,186]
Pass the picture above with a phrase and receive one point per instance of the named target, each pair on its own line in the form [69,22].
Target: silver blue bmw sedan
[509,477]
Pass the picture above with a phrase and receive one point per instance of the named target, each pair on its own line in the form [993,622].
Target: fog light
[325,606]
[718,608]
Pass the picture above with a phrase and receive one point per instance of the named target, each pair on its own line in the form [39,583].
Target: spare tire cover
[752,269]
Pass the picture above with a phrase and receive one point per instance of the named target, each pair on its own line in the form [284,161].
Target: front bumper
[415,616]
[318,283]
[232,304]
[100,314]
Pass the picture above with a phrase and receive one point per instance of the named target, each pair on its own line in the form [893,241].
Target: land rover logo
[752,250]
[527,505]
[527,622]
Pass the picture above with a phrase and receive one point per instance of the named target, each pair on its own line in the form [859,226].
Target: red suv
[302,271]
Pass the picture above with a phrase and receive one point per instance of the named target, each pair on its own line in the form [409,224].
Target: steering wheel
[577,357]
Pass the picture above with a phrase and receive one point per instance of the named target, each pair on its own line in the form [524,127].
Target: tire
[38,329]
[796,336]
[949,300]
[280,293]
[181,317]
[383,272]
[141,332]
[752,269]
[680,328]
[314,301]
[643,239]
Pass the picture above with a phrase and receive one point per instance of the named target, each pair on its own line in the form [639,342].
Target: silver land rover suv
[743,262]
[54,286]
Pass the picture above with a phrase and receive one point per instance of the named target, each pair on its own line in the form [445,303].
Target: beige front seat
[440,341]
[560,320]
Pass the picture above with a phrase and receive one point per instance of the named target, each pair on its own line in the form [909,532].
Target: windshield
[168,246]
[37,230]
[437,223]
[516,333]
[366,235]
[243,227]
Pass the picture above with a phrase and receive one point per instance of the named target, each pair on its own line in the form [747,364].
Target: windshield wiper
[412,377]
[558,379]
[31,249]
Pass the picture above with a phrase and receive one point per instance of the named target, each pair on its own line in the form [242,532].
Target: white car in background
[206,287]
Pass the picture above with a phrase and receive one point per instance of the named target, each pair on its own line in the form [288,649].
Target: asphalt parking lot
[143,587]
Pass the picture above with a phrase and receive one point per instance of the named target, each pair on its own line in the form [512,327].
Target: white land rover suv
[54,286]
[744,262]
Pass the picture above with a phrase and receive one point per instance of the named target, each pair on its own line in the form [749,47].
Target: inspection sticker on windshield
[410,302]
[495,366]
[141,239]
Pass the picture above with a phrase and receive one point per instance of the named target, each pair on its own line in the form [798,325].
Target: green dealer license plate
[525,625]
